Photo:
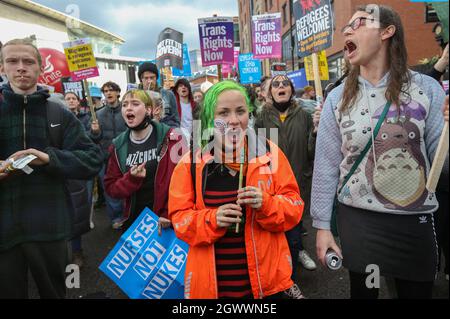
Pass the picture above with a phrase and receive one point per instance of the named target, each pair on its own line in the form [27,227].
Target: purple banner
[84,74]
[216,40]
[266,30]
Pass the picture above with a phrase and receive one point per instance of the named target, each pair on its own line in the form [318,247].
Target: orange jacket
[268,256]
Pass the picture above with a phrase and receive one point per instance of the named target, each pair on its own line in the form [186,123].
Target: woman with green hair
[231,200]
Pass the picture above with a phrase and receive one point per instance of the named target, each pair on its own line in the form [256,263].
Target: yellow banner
[168,80]
[80,57]
[323,67]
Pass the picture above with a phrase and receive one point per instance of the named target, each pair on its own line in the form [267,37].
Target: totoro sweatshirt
[392,177]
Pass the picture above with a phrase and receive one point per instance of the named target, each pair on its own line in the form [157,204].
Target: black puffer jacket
[111,125]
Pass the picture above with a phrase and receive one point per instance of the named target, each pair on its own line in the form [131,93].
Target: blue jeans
[114,207]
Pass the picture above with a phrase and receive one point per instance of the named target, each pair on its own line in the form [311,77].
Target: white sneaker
[118,223]
[306,260]
[446,277]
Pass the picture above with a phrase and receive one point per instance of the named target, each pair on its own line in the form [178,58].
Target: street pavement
[318,284]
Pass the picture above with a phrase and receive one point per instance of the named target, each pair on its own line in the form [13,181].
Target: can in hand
[333,261]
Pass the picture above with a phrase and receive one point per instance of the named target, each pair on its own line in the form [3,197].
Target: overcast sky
[139,22]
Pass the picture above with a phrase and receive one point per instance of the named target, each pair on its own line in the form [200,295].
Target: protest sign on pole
[80,59]
[169,51]
[82,65]
[145,265]
[249,69]
[266,31]
[323,67]
[314,26]
[216,40]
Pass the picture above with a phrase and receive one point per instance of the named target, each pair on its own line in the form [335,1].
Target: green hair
[210,104]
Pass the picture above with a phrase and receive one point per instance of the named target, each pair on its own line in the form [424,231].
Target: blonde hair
[140,95]
[25,41]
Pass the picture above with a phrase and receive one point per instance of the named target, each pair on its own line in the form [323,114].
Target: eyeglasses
[355,24]
[276,84]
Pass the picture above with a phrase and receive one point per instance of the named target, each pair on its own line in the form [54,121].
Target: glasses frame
[356,24]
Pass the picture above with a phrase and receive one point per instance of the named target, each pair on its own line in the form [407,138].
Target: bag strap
[368,146]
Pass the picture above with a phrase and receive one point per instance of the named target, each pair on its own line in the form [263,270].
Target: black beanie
[147,66]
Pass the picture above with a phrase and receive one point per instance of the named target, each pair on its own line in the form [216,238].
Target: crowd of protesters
[356,162]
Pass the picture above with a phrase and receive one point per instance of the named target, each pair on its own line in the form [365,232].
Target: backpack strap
[55,123]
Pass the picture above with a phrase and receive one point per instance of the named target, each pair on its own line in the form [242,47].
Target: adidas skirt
[402,246]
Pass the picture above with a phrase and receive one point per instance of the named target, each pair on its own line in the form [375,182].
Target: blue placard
[186,61]
[186,64]
[145,265]
[249,69]
[298,78]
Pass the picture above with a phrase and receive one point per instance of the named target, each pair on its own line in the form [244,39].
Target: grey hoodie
[392,177]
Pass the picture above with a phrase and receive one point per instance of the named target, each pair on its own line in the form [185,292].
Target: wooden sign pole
[317,81]
[89,100]
[219,72]
[439,160]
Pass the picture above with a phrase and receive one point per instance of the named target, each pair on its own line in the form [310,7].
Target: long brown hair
[398,57]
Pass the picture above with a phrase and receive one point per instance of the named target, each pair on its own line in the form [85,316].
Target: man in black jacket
[35,222]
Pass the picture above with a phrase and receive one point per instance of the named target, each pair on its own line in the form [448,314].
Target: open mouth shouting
[282,95]
[130,118]
[350,49]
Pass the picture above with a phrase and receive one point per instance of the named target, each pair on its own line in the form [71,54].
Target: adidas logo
[423,219]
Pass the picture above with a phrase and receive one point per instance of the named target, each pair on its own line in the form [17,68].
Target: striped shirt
[231,258]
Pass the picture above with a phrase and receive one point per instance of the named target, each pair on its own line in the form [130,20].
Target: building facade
[50,29]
